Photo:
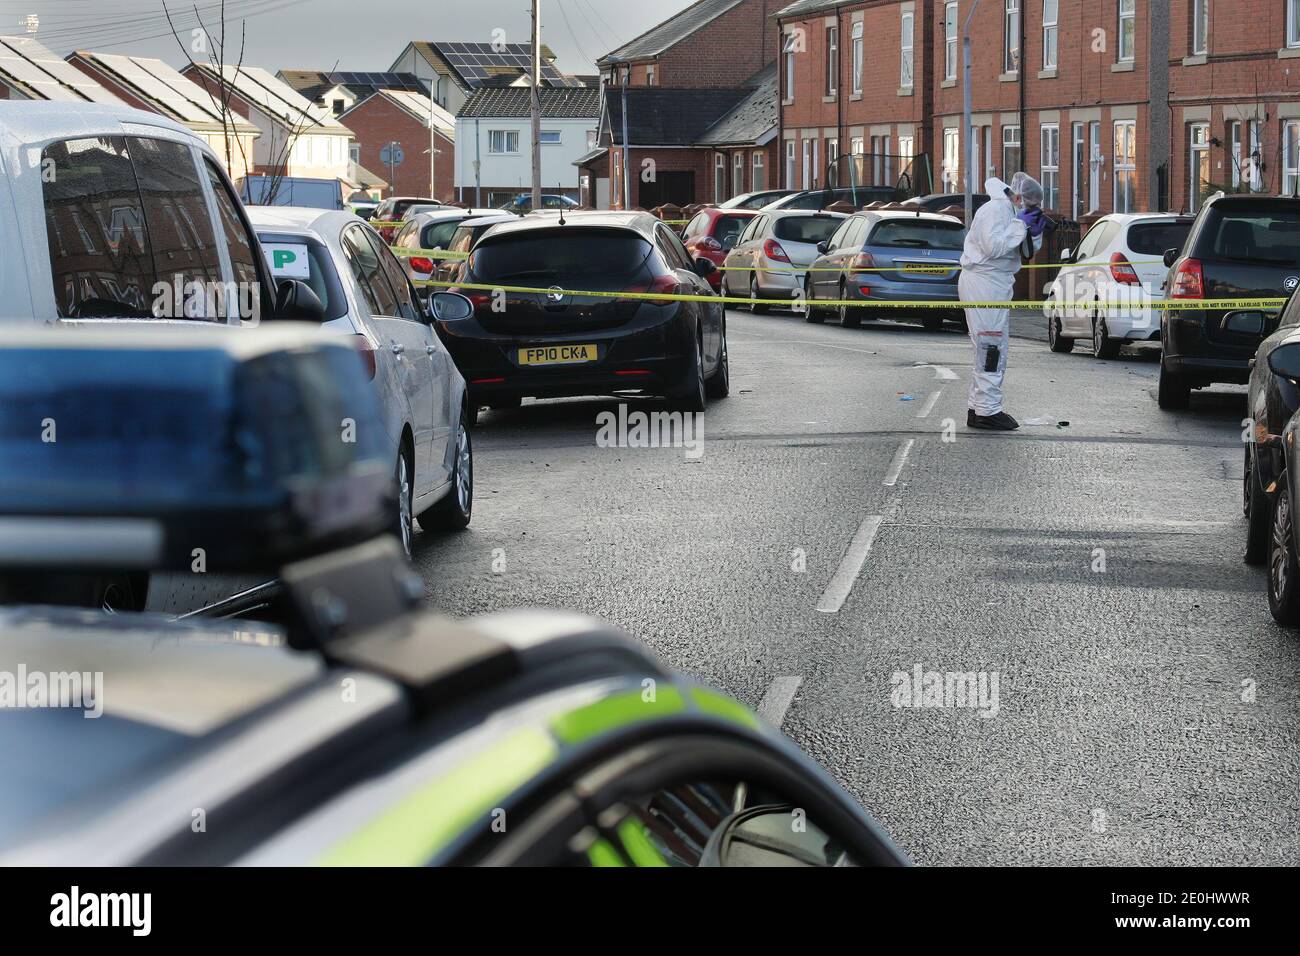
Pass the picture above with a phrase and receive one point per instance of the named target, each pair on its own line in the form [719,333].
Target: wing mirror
[823,247]
[1246,322]
[1067,255]
[450,306]
[704,267]
[296,302]
[1171,256]
[1284,361]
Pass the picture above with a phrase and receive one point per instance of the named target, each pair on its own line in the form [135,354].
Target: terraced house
[1116,105]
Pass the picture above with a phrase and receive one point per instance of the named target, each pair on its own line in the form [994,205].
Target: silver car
[367,296]
[770,259]
[432,231]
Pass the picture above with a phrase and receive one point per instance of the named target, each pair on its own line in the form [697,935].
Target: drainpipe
[966,108]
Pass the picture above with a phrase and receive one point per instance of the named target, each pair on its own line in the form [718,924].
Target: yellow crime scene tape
[858,304]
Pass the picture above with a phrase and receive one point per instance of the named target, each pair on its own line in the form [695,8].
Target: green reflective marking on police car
[719,705]
[602,854]
[413,831]
[638,845]
[617,711]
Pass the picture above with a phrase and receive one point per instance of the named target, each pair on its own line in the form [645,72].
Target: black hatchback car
[566,306]
[1240,247]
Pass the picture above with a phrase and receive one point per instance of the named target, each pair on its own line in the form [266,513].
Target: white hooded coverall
[989,263]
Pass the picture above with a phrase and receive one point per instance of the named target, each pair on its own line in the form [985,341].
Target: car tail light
[772,249]
[862,262]
[366,349]
[865,289]
[664,284]
[478,298]
[420,264]
[1122,271]
[1189,280]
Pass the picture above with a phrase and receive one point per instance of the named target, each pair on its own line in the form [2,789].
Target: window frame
[1124,166]
[1293,24]
[859,55]
[1130,14]
[1200,39]
[833,60]
[505,137]
[1011,24]
[1049,174]
[1290,157]
[950,28]
[907,45]
[1051,33]
[758,168]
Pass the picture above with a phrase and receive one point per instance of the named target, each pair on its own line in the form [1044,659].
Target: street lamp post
[966,110]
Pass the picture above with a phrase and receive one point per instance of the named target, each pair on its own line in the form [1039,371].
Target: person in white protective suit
[1008,227]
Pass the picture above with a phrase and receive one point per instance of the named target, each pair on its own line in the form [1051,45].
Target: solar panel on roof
[147,75]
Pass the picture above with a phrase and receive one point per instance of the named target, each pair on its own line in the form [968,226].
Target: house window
[832,60]
[951,160]
[737,174]
[1127,29]
[650,75]
[1126,166]
[858,57]
[1198,179]
[1200,25]
[1252,171]
[354,152]
[760,173]
[719,178]
[906,73]
[1050,165]
[1293,23]
[950,41]
[1050,10]
[906,147]
[790,48]
[1011,37]
[832,154]
[1010,151]
[1291,157]
[550,137]
[1234,153]
[790,164]
[339,107]
[503,141]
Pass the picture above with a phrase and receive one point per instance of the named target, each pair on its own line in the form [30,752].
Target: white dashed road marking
[776,702]
[846,574]
[930,402]
[900,459]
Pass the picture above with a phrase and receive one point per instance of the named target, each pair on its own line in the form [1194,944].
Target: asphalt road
[833,534]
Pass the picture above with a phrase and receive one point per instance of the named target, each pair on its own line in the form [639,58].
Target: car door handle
[397,348]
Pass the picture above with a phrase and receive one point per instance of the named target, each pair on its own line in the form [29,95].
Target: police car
[359,728]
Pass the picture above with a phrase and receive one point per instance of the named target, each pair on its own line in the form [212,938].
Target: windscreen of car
[1154,238]
[918,234]
[727,229]
[1258,232]
[305,259]
[402,206]
[438,235]
[573,254]
[812,229]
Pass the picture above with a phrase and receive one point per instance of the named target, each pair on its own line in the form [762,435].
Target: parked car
[558,341]
[394,210]
[291,191]
[713,233]
[363,205]
[468,232]
[523,203]
[431,231]
[885,256]
[1272,400]
[755,200]
[1240,247]
[368,298]
[855,196]
[770,256]
[1120,260]
[933,202]
[1276,534]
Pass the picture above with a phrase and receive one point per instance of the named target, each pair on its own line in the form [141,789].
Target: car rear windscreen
[1155,238]
[1257,232]
[727,229]
[570,253]
[918,234]
[813,229]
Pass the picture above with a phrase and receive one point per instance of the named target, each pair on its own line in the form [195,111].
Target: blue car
[888,256]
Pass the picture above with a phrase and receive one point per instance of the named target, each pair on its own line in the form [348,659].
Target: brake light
[772,249]
[665,285]
[865,289]
[862,262]
[1121,270]
[366,349]
[478,298]
[420,264]
[1189,280]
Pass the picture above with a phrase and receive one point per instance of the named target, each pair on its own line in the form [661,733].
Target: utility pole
[966,110]
[537,104]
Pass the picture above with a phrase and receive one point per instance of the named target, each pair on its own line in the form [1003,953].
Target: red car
[712,233]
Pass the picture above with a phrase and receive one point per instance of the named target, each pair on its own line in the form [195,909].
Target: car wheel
[932,320]
[810,312]
[1103,346]
[754,307]
[1055,340]
[1173,392]
[850,316]
[691,397]
[403,527]
[456,508]
[719,383]
[1254,502]
[1283,586]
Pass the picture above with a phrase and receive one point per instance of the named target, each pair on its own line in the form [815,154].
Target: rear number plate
[558,355]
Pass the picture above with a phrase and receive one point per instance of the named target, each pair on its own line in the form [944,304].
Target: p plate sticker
[288,261]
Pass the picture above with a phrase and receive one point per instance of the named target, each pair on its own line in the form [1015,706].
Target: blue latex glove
[1035,220]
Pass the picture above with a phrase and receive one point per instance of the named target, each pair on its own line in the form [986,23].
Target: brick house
[401,116]
[1234,97]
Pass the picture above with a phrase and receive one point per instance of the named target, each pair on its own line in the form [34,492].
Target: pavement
[842,527]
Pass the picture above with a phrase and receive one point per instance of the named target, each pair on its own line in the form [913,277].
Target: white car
[1120,260]
[770,256]
[367,296]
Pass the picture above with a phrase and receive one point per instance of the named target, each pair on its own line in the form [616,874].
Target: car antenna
[562,222]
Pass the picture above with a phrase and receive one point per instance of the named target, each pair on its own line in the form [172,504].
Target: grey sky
[313,34]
